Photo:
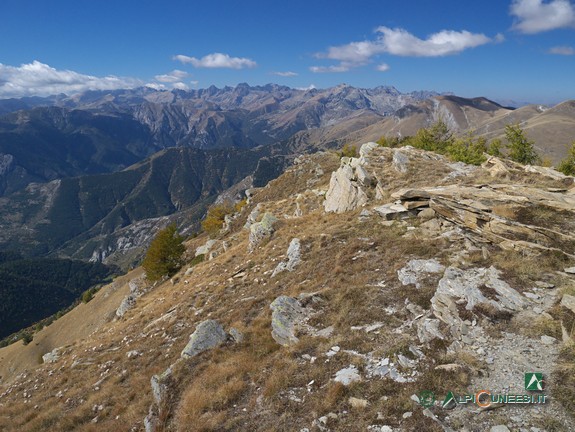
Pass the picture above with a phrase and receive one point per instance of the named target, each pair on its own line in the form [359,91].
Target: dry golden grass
[352,265]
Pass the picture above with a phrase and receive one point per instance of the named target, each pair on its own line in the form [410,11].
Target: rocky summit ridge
[342,297]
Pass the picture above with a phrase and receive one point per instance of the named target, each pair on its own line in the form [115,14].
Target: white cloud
[217,60]
[383,67]
[156,86]
[354,52]
[400,42]
[446,42]
[172,77]
[309,87]
[535,16]
[180,86]
[342,67]
[285,74]
[39,79]
[562,50]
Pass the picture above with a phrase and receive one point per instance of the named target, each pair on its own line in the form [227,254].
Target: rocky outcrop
[205,248]
[415,270]
[293,258]
[287,315]
[470,288]
[345,192]
[52,357]
[137,288]
[259,231]
[209,334]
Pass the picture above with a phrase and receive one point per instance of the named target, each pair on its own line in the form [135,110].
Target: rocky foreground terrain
[337,299]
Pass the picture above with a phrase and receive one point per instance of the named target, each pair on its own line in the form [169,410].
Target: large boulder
[416,269]
[209,334]
[344,193]
[261,230]
[470,288]
[287,315]
[293,258]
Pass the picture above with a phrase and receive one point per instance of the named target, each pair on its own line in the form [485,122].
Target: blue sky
[502,49]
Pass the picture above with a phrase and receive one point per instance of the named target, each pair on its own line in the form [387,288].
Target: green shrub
[348,151]
[197,259]
[212,223]
[468,150]
[567,165]
[437,138]
[494,148]
[521,149]
[164,256]
[27,338]
[88,295]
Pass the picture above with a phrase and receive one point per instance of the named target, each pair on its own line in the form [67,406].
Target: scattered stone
[326,332]
[209,334]
[499,428]
[570,270]
[548,340]
[287,315]
[133,354]
[293,258]
[472,287]
[392,211]
[415,270]
[450,367]
[407,414]
[545,285]
[365,213]
[160,386]
[377,428]
[568,301]
[347,375]
[357,403]
[428,329]
[236,335]
[261,230]
[205,248]
[400,162]
[51,357]
[333,351]
[151,421]
[128,303]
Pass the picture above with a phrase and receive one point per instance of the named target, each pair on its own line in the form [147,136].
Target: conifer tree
[567,165]
[521,149]
[164,256]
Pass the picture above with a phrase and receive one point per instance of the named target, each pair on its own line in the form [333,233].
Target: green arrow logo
[449,401]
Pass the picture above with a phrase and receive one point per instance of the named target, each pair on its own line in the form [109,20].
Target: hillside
[111,217]
[340,294]
[105,131]
[551,128]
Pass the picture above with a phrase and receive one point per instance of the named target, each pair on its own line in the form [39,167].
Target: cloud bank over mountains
[378,52]
[39,79]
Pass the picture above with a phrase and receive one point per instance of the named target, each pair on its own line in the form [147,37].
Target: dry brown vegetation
[255,385]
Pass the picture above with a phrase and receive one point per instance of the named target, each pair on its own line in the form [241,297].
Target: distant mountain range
[93,176]
[43,139]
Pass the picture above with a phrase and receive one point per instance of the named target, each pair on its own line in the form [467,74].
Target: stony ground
[338,294]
